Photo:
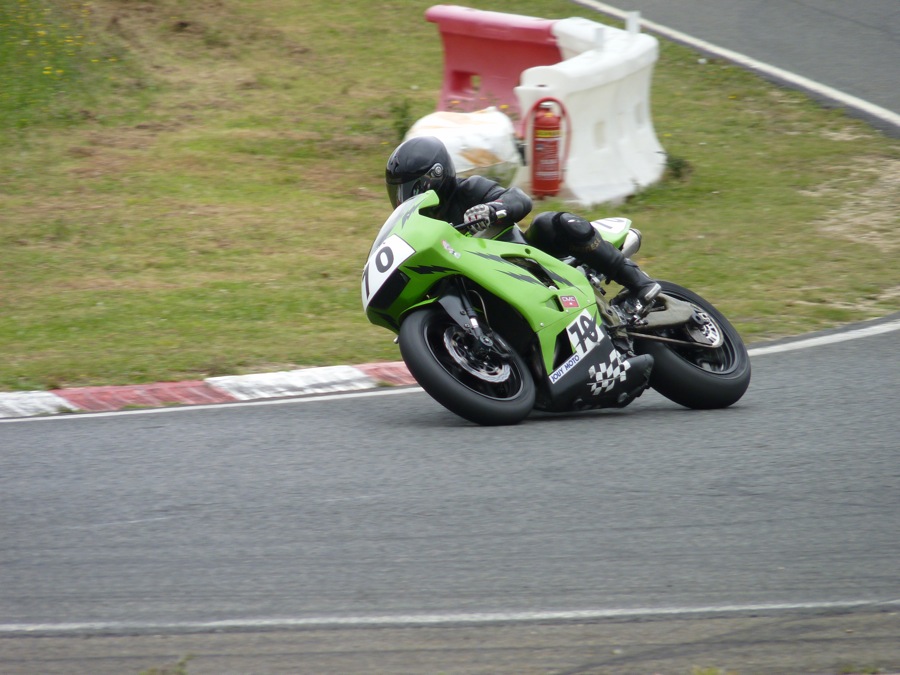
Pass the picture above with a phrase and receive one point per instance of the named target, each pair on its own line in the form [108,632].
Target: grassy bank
[195,192]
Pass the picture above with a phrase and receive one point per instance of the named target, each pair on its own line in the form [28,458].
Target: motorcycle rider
[423,163]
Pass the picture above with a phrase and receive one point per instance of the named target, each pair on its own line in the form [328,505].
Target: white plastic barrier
[481,142]
[604,84]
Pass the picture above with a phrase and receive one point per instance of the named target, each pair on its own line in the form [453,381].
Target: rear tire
[698,377]
[487,390]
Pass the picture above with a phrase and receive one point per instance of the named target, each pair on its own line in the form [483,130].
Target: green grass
[57,68]
[195,193]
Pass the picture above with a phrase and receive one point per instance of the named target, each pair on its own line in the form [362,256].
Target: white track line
[786,76]
[831,339]
[408,620]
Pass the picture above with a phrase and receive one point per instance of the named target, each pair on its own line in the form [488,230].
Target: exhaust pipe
[632,242]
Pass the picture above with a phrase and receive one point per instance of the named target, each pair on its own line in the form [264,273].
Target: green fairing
[442,251]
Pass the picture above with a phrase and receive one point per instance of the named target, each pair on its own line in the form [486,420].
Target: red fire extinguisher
[547,156]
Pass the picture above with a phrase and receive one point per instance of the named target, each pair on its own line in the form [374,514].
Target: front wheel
[485,388]
[698,377]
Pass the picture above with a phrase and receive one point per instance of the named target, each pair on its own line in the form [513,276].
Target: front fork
[455,301]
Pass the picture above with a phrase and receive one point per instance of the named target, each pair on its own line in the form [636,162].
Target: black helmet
[418,165]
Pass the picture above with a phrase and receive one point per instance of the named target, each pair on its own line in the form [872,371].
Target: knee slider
[542,233]
[573,229]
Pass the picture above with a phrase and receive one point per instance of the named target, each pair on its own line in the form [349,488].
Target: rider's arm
[514,201]
[480,190]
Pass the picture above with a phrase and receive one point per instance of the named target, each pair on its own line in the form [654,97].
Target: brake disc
[464,357]
[704,330]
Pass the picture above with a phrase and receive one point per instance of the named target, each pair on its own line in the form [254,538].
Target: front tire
[486,389]
[698,377]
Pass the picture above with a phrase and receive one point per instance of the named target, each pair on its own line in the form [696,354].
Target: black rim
[489,375]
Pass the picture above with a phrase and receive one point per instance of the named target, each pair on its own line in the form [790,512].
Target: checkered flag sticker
[605,376]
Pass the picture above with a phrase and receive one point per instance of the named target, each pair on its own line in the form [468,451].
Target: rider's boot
[642,289]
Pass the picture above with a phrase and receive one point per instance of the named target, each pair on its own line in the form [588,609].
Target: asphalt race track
[378,511]
[842,53]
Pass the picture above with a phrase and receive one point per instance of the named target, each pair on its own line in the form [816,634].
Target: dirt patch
[863,217]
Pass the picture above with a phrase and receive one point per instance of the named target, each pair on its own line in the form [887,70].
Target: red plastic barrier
[484,55]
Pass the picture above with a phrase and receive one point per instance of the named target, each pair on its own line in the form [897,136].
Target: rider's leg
[566,233]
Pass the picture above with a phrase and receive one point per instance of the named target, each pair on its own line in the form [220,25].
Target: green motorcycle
[493,328]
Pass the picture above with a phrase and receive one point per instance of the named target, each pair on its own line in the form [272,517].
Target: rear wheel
[487,388]
[698,377]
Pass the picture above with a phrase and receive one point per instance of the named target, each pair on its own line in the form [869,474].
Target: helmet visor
[399,193]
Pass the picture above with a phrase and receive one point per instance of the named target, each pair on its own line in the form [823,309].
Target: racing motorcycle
[493,328]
